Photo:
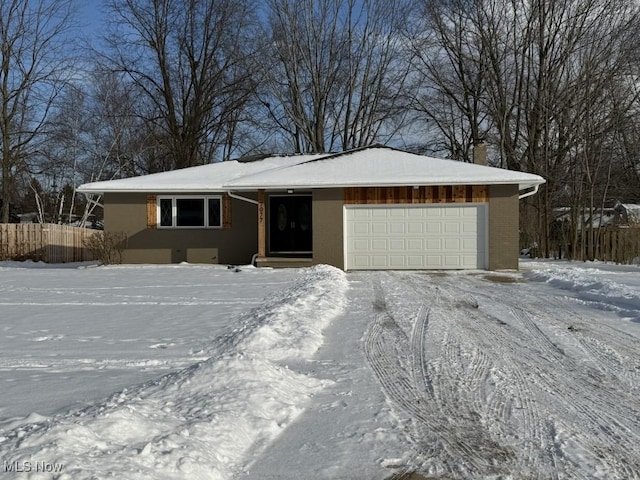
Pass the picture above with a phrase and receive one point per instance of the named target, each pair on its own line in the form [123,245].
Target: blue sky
[90,16]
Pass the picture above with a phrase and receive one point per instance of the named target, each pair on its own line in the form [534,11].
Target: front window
[190,212]
[215,211]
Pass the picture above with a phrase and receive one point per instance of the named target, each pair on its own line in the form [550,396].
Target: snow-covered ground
[202,372]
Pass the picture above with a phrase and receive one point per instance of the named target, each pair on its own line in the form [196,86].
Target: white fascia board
[231,187]
[521,186]
[152,190]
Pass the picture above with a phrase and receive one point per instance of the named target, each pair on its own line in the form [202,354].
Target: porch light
[289,191]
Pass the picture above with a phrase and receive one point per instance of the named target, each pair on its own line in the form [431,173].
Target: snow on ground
[73,334]
[198,422]
[610,287]
[312,373]
[507,376]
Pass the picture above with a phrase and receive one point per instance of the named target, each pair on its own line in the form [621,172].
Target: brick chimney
[480,153]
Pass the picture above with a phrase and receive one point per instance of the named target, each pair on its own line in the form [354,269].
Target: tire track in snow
[421,377]
[604,415]
[593,410]
[398,388]
[596,409]
[620,362]
[565,417]
[492,410]
[467,453]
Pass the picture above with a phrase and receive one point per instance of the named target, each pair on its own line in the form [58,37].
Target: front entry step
[283,262]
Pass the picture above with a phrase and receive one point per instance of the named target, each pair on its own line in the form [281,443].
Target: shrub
[107,247]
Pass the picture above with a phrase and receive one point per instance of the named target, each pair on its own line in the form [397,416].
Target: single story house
[369,208]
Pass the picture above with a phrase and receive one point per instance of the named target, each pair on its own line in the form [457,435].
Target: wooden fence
[46,242]
[620,246]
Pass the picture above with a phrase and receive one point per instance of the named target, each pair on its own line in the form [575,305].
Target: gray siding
[328,239]
[504,243]
[127,212]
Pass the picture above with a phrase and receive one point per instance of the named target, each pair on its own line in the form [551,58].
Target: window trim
[174,212]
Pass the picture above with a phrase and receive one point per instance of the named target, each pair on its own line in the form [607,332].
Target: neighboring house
[627,214]
[31,217]
[370,208]
[596,218]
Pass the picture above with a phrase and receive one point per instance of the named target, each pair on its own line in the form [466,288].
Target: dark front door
[290,224]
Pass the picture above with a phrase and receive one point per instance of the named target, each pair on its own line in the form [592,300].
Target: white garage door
[415,237]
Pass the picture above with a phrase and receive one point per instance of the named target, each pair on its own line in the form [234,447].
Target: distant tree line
[550,86]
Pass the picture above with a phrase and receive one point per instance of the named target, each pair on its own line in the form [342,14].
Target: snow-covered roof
[632,211]
[381,166]
[595,218]
[371,166]
[204,178]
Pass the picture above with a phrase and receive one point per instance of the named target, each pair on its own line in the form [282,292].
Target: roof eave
[231,187]
[102,191]
[521,185]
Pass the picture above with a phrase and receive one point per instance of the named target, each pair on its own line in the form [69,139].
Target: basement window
[189,212]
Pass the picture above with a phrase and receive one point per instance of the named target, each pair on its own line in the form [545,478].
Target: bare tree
[548,80]
[34,65]
[187,59]
[335,75]
[449,71]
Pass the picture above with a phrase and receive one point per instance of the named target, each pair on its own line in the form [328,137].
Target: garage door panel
[378,227]
[434,244]
[415,237]
[360,214]
[397,261]
[451,227]
[469,261]
[452,261]
[360,228]
[470,228]
[415,244]
[380,244]
[361,261]
[415,261]
[379,261]
[397,244]
[452,244]
[432,227]
[434,261]
[397,228]
[415,228]
[469,244]
[360,245]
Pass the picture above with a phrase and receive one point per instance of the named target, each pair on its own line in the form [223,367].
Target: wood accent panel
[480,193]
[421,194]
[152,216]
[431,193]
[459,193]
[262,224]
[226,211]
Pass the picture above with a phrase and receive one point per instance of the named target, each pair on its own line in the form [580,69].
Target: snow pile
[204,421]
[594,285]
